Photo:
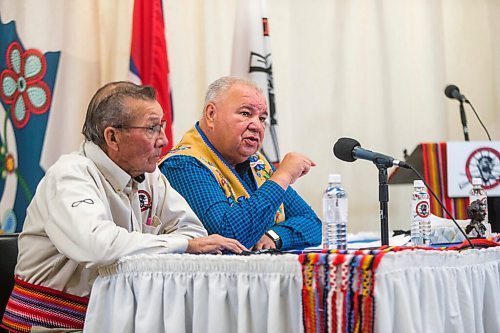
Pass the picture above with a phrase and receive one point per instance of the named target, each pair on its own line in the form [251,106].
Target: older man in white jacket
[94,206]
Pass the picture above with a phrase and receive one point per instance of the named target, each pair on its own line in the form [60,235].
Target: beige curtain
[371,70]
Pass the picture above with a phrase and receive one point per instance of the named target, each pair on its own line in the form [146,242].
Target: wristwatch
[274,236]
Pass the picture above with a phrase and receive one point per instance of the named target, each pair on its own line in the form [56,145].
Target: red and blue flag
[148,56]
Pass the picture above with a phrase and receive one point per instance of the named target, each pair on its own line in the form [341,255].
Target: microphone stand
[464,120]
[383,197]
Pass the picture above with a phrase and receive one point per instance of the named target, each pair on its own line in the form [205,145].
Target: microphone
[349,150]
[452,91]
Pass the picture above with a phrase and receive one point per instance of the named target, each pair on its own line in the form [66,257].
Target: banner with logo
[473,159]
[252,59]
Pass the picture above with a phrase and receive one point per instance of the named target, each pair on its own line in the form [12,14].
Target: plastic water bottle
[479,193]
[334,215]
[420,215]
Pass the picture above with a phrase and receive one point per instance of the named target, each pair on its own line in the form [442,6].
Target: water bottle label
[421,210]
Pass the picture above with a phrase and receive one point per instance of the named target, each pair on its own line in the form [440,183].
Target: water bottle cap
[334,178]
[418,183]
[477,181]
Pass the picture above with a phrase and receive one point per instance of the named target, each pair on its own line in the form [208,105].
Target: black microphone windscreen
[449,91]
[343,149]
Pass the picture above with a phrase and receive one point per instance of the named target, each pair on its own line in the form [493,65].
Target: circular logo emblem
[144,200]
[422,209]
[484,163]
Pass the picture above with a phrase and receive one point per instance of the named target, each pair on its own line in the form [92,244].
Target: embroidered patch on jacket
[144,200]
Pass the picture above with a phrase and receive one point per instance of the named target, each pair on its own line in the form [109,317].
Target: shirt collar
[242,168]
[115,175]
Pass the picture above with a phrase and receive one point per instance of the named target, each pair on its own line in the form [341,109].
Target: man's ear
[112,138]
[209,113]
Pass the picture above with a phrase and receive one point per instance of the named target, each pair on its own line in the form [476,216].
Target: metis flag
[252,60]
[148,56]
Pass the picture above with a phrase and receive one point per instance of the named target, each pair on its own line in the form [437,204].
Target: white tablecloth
[198,293]
[438,291]
[415,291]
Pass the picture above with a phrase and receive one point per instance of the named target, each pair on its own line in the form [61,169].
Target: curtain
[371,70]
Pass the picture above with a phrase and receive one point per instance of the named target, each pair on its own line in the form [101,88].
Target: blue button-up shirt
[248,220]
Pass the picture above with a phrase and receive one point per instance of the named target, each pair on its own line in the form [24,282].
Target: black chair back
[8,259]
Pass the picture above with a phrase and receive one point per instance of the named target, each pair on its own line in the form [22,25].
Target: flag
[53,56]
[27,76]
[252,59]
[148,56]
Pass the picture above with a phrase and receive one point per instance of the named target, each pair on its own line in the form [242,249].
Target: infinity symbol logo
[87,201]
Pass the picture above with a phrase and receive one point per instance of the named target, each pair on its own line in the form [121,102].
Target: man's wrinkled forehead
[246,91]
[258,107]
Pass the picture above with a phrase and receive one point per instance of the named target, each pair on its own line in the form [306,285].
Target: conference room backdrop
[371,70]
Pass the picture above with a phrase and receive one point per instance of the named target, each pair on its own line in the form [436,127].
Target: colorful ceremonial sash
[436,175]
[32,305]
[195,144]
[337,291]
[338,286]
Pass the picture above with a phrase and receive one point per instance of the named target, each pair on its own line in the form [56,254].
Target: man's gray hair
[108,108]
[220,86]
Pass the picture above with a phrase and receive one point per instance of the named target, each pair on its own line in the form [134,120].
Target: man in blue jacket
[232,188]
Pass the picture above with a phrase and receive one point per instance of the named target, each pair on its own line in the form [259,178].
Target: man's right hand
[214,244]
[292,167]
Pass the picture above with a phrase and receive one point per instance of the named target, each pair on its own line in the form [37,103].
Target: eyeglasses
[151,131]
